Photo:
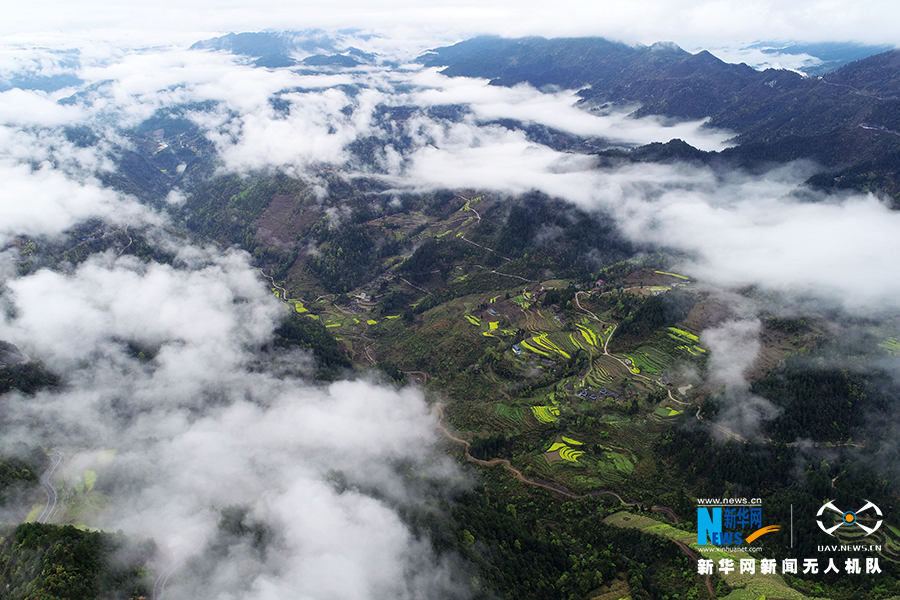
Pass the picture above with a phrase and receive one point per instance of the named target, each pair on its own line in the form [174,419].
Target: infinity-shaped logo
[849,518]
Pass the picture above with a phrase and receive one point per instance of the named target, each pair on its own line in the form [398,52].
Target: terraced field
[589,336]
[563,451]
[687,341]
[534,349]
[650,359]
[892,345]
[744,585]
[887,537]
[511,413]
[545,343]
[665,411]
[672,274]
[545,414]
[599,375]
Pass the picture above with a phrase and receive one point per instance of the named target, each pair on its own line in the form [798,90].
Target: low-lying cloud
[197,426]
[734,346]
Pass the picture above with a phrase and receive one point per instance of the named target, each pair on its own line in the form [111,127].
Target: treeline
[825,403]
[224,209]
[539,546]
[49,562]
[347,256]
[438,255]
[559,296]
[20,467]
[83,241]
[28,378]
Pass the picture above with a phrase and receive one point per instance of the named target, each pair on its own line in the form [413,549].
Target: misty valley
[309,314]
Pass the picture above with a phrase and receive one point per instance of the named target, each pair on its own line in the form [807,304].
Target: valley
[293,314]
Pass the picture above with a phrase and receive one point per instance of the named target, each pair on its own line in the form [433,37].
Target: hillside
[844,120]
[440,339]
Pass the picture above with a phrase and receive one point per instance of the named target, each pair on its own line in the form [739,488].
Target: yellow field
[543,342]
[545,414]
[685,334]
[672,274]
[589,336]
[531,348]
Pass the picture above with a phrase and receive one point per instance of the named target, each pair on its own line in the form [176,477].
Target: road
[553,487]
[559,489]
[623,363]
[51,493]
[160,586]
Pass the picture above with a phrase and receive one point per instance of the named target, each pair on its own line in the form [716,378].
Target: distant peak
[666,47]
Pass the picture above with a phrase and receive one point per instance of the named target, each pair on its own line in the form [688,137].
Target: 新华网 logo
[726,526]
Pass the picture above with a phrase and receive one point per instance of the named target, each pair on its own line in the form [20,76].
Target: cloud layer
[200,427]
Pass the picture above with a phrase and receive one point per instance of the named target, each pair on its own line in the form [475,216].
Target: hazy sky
[688,22]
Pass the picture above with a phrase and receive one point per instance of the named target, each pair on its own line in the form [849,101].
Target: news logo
[730,525]
[848,518]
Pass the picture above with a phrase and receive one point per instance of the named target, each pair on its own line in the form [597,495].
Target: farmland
[560,382]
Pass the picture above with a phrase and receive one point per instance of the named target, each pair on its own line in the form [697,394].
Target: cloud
[43,201]
[734,346]
[199,426]
[736,229]
[646,21]
[559,111]
[761,58]
[165,363]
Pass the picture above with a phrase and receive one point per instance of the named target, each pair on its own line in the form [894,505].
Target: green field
[744,586]
[665,411]
[892,345]
[648,358]
[510,412]
[598,376]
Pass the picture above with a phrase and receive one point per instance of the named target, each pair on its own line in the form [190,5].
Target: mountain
[585,387]
[846,120]
[823,57]
[283,48]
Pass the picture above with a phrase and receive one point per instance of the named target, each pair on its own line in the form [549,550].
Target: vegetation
[300,332]
[20,467]
[65,563]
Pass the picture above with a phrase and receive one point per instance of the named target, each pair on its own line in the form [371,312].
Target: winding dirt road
[553,487]
[564,491]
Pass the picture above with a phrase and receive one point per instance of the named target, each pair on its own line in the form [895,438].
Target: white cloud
[738,229]
[196,429]
[43,201]
[558,110]
[27,107]
[646,21]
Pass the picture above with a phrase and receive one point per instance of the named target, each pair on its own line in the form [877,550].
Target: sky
[690,23]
